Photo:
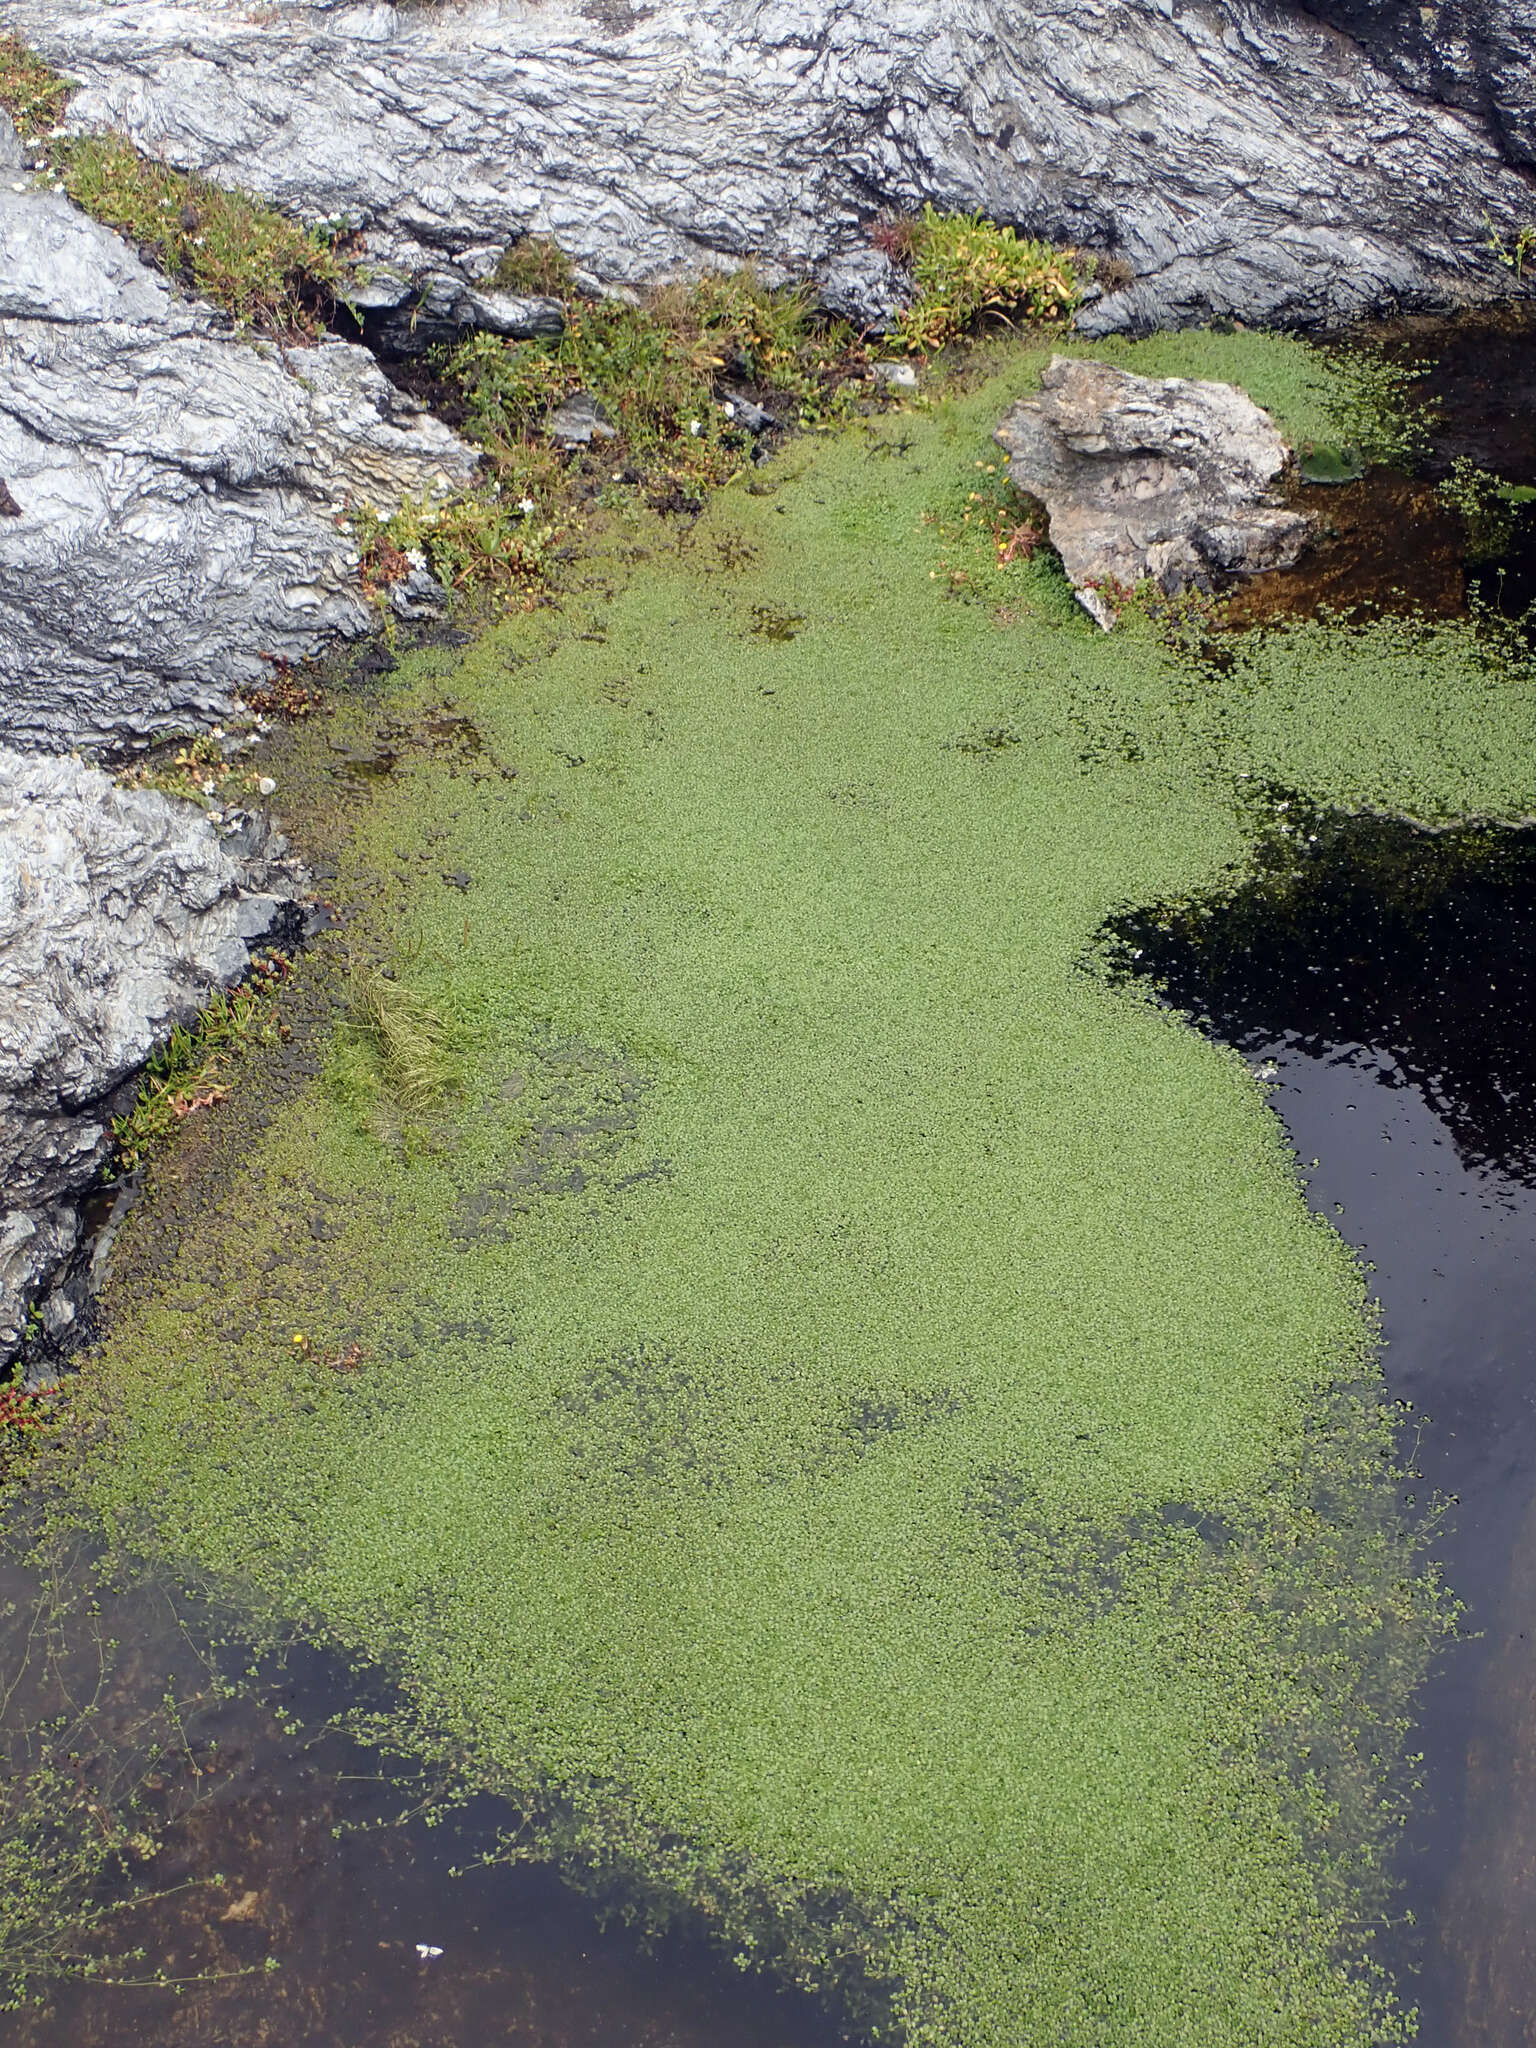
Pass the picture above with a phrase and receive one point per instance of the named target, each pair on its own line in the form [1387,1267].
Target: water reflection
[1387,982]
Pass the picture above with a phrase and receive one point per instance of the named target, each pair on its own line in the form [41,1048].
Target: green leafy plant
[1488,508]
[262,268]
[183,1075]
[1513,254]
[966,268]
[31,92]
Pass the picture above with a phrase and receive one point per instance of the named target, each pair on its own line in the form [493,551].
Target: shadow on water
[1383,978]
[291,1888]
[1388,542]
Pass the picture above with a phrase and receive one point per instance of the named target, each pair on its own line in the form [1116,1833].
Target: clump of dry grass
[415,1046]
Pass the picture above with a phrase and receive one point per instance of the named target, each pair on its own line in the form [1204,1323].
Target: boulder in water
[1167,478]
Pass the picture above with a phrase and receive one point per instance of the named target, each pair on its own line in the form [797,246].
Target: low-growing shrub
[31,92]
[486,542]
[655,369]
[966,268]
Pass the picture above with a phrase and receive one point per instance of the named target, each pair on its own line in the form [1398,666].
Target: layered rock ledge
[120,911]
[175,494]
[1243,157]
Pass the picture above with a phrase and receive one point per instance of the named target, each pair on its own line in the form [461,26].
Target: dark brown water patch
[1384,543]
[288,1888]
[1381,980]
[1388,542]
[1478,384]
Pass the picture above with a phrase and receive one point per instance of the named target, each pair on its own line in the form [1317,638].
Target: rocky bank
[119,910]
[177,494]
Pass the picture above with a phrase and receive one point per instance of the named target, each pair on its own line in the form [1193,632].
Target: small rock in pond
[1161,478]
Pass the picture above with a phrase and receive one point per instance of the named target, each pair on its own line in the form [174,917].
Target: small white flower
[267,786]
[525,505]
[209,786]
[695,426]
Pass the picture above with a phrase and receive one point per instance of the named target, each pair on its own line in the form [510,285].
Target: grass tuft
[260,267]
[538,266]
[31,92]
[414,1043]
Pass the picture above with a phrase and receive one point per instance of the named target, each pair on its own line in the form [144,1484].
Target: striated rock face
[120,911]
[176,493]
[1161,477]
[1477,54]
[1243,156]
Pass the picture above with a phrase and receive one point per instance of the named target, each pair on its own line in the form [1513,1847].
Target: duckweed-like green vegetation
[856,1429]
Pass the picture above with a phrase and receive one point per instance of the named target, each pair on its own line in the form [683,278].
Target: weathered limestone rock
[1164,477]
[1243,156]
[404,317]
[180,491]
[120,911]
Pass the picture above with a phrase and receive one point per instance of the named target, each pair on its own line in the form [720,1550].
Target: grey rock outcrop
[1242,156]
[403,317]
[180,491]
[120,910]
[1477,54]
[1162,477]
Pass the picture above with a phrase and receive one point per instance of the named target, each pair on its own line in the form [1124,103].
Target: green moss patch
[852,1424]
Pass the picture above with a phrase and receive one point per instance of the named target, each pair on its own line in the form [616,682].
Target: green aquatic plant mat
[845,1414]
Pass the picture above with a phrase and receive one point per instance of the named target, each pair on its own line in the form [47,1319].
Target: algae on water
[857,1429]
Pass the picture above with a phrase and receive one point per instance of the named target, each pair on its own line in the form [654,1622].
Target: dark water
[1389,542]
[289,1891]
[1388,984]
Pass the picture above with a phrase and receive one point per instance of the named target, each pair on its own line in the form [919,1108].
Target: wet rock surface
[180,491]
[1163,477]
[1241,157]
[120,910]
